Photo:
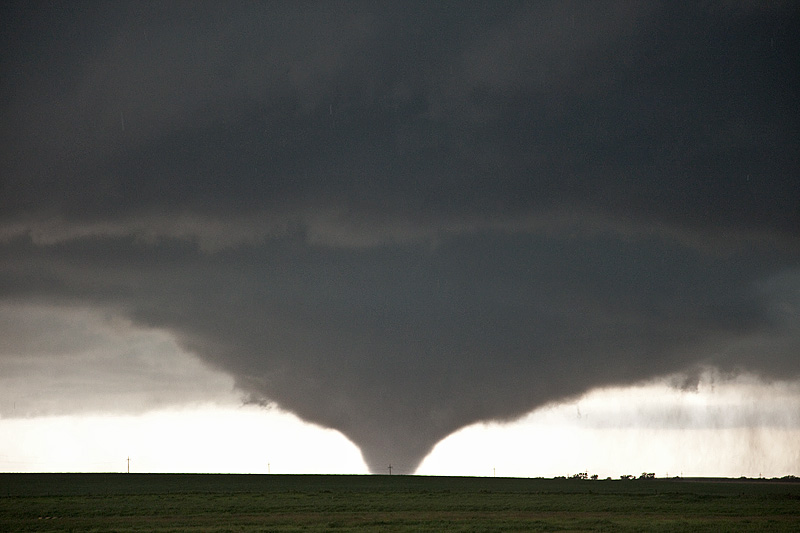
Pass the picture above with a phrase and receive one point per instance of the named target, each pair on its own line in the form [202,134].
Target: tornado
[398,220]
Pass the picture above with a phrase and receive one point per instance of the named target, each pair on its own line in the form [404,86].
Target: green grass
[217,503]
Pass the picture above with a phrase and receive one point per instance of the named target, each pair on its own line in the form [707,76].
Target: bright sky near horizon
[525,238]
[554,441]
[738,427]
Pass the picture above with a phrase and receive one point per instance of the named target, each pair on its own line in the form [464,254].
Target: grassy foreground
[221,502]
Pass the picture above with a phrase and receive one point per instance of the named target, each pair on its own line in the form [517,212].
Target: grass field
[219,502]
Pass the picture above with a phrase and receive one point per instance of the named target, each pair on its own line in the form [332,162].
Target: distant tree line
[585,475]
[652,475]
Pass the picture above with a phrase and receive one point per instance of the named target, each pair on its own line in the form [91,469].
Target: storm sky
[396,219]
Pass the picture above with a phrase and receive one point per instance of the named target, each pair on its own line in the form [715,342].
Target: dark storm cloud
[398,219]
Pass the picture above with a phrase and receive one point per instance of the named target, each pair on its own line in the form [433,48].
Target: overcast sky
[394,219]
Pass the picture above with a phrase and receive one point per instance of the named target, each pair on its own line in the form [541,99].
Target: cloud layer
[399,219]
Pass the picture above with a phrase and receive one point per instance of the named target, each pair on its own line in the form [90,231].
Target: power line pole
[390,469]
[129,464]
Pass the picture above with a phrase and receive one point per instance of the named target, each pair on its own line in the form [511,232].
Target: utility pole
[269,470]
[390,469]
[129,464]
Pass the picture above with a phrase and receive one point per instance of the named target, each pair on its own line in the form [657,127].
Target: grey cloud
[632,133]
[62,359]
[397,220]
[398,346]
[717,400]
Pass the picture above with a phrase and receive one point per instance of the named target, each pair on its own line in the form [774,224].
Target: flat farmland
[226,502]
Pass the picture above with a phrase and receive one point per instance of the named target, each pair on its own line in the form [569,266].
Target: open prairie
[221,502]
